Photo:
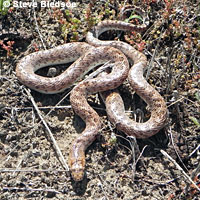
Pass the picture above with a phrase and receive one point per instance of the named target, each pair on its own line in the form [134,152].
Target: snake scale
[86,56]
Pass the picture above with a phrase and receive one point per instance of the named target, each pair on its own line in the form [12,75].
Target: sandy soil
[30,167]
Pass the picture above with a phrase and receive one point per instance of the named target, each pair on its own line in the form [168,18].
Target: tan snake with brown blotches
[86,57]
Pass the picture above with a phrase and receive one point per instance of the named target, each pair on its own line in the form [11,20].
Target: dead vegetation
[165,166]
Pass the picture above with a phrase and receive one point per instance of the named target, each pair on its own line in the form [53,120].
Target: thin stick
[30,189]
[153,57]
[175,149]
[29,170]
[37,27]
[100,69]
[194,151]
[57,149]
[178,100]
[179,168]
[102,188]
[133,143]
[194,174]
[141,153]
[41,107]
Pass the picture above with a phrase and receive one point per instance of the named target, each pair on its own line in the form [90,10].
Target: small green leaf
[113,139]
[197,95]
[4,6]
[134,17]
[195,121]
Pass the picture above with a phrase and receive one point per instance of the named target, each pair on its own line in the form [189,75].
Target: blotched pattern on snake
[86,57]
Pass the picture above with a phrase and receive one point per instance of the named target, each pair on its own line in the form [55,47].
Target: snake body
[78,99]
[114,103]
[88,56]
[27,66]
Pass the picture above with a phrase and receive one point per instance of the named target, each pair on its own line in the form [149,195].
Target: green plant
[133,17]
[4,6]
[195,121]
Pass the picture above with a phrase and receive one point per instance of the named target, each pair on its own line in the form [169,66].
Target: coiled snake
[86,57]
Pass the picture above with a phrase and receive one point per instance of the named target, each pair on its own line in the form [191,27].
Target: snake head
[77,170]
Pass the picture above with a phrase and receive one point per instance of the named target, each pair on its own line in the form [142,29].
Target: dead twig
[30,170]
[194,151]
[180,169]
[30,189]
[153,57]
[37,27]
[56,147]
[102,188]
[194,174]
[175,149]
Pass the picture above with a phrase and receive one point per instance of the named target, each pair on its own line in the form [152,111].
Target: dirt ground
[115,169]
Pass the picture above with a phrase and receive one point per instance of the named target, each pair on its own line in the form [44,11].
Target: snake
[85,57]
